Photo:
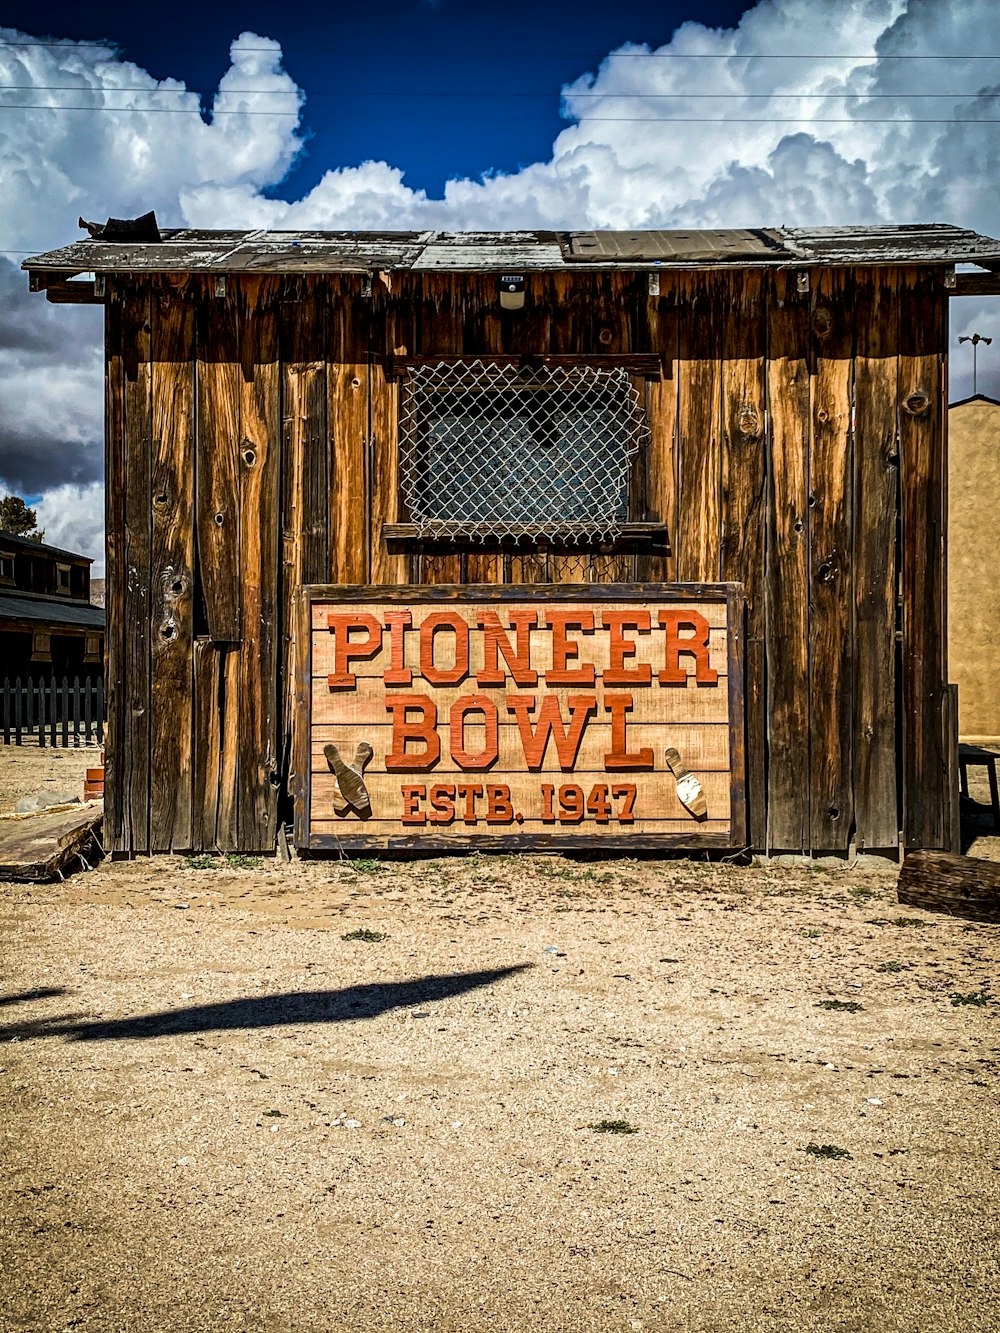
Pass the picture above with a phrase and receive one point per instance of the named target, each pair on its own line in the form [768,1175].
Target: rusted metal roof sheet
[683,246]
[186,250]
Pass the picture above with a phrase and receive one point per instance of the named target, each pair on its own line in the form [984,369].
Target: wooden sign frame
[352,834]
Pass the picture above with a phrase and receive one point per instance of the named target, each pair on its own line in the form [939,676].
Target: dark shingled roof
[9,541]
[50,611]
[185,250]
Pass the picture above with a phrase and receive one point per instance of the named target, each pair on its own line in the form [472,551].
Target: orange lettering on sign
[396,623]
[550,723]
[474,703]
[498,806]
[404,730]
[428,668]
[345,649]
[617,673]
[442,804]
[696,644]
[495,638]
[618,705]
[470,793]
[412,796]
[562,648]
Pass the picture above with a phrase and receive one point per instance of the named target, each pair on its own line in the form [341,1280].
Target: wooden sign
[545,716]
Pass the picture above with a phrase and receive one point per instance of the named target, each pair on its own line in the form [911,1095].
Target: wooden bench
[978,757]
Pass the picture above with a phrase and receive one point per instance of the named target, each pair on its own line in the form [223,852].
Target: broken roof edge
[366,252]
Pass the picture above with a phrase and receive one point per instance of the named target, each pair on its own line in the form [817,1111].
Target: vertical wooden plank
[831,615]
[787,565]
[115,575]
[172,579]
[744,490]
[663,324]
[218,492]
[440,316]
[528,567]
[472,324]
[699,392]
[876,476]
[305,466]
[923,328]
[575,298]
[133,744]
[260,481]
[218,539]
[207,745]
[615,317]
[393,331]
[230,705]
[348,428]
[483,567]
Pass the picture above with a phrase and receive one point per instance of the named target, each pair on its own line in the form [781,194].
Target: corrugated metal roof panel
[680,246]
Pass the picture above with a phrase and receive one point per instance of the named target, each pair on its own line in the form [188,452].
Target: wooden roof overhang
[184,250]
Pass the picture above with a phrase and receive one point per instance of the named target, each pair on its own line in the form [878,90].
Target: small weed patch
[365,936]
[202,863]
[830,1151]
[893,965]
[614,1127]
[979,998]
[236,862]
[365,865]
[840,1006]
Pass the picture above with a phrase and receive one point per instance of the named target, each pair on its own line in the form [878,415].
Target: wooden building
[47,621]
[794,390]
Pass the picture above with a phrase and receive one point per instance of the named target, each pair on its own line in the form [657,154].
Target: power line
[575,120]
[70,44]
[367,92]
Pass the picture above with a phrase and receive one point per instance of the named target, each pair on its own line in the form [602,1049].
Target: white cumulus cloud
[709,130]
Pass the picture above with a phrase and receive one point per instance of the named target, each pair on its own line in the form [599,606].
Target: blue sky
[456,88]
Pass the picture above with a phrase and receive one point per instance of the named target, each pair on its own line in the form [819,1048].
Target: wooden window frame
[633,536]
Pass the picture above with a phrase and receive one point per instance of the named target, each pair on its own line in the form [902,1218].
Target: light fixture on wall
[511,291]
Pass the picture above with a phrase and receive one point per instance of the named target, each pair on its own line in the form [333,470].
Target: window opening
[530,452]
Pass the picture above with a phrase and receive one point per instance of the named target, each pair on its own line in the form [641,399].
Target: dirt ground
[25,769]
[221,1114]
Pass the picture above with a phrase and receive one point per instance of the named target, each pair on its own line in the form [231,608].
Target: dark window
[499,450]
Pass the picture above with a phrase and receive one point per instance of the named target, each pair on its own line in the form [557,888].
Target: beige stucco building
[974,564]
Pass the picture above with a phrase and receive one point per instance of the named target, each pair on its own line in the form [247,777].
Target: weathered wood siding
[796,445]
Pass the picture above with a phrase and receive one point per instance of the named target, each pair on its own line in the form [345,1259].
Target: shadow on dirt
[264,1011]
[39,993]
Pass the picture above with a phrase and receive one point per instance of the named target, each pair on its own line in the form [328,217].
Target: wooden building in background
[49,624]
[794,384]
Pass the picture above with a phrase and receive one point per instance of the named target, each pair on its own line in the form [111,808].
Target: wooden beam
[976,284]
[647,364]
[631,538]
[73,293]
[959,885]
